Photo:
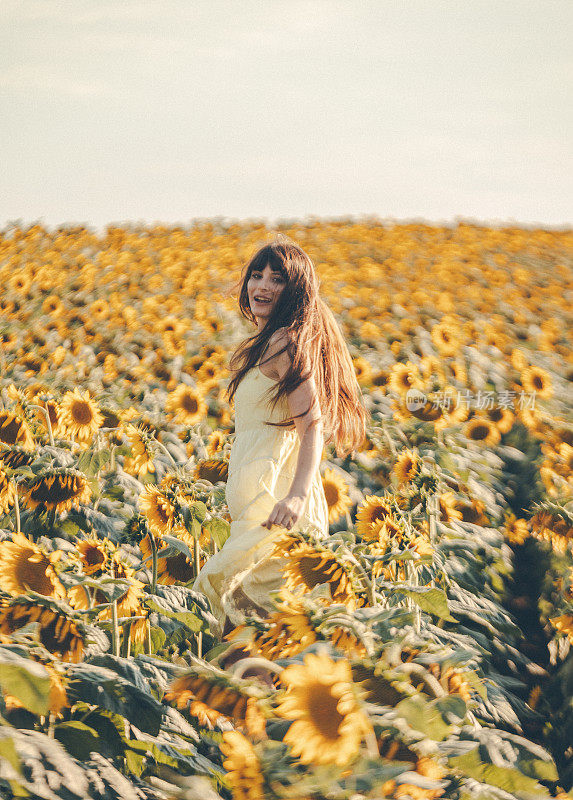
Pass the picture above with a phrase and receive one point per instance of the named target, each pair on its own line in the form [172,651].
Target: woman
[294,384]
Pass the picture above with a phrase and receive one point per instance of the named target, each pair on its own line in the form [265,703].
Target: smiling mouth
[262,299]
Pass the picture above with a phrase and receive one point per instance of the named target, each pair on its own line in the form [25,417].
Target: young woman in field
[294,385]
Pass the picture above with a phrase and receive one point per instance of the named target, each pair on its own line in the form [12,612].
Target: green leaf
[510,780]
[199,510]
[106,689]
[27,680]
[175,544]
[219,530]
[78,739]
[424,716]
[8,752]
[187,618]
[428,598]
[91,462]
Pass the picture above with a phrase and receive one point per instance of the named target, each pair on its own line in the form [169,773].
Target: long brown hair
[314,343]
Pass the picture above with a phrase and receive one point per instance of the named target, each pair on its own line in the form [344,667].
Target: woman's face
[264,289]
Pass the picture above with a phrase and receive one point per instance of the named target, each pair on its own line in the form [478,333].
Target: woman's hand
[286,512]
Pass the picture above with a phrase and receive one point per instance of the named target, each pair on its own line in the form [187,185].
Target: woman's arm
[310,431]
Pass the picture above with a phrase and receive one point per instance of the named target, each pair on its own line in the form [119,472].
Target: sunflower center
[311,573]
[479,432]
[190,404]
[11,431]
[179,568]
[322,710]
[93,555]
[331,493]
[81,412]
[379,512]
[33,574]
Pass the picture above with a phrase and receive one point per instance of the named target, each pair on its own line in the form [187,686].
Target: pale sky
[132,110]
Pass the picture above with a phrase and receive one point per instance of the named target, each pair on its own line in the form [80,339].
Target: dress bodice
[252,407]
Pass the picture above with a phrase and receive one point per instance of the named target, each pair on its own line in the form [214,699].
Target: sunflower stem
[431,506]
[388,438]
[196,554]
[114,630]
[126,641]
[147,644]
[52,519]
[46,414]
[166,451]
[154,564]
[17,509]
[240,667]
[412,573]
[371,743]
[88,595]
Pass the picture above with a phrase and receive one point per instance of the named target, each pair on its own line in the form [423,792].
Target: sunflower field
[422,651]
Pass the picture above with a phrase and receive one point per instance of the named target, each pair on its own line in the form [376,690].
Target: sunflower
[286,632]
[404,377]
[431,365]
[362,370]
[454,409]
[187,404]
[308,567]
[321,698]
[446,338]
[7,491]
[80,415]
[336,493]
[516,530]
[57,489]
[471,510]
[94,554]
[407,466]
[210,696]
[177,568]
[430,412]
[553,528]
[141,449]
[564,624]
[58,633]
[15,457]
[447,507]
[212,470]
[129,603]
[538,381]
[24,566]
[428,768]
[518,359]
[216,441]
[370,514]
[502,418]
[208,373]
[243,767]
[480,429]
[534,696]
[99,310]
[61,636]
[380,379]
[52,305]
[158,509]
[15,430]
[458,371]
